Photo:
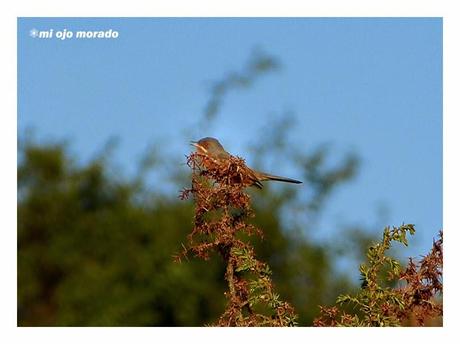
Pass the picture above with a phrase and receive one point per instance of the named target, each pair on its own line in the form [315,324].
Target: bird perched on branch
[212,149]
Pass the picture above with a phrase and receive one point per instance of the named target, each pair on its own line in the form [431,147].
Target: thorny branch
[222,211]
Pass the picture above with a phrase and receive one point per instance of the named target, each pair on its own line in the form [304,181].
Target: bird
[213,149]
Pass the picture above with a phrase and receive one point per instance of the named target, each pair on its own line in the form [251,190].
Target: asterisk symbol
[33,33]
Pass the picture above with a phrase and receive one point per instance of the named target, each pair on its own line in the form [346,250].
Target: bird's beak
[198,146]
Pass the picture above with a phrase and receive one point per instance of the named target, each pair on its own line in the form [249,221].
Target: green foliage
[373,298]
[95,248]
[89,255]
[380,305]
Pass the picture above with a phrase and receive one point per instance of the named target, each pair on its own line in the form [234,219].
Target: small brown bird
[212,148]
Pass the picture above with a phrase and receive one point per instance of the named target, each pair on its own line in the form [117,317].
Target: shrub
[415,300]
[221,225]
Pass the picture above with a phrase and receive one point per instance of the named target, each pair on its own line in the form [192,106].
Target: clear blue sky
[369,85]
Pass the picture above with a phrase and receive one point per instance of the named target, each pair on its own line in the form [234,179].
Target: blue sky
[373,86]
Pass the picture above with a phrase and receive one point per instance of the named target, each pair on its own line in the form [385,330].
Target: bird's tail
[265,176]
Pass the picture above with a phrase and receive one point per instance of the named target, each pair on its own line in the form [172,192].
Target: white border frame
[247,8]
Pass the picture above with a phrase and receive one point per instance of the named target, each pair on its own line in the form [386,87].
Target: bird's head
[208,146]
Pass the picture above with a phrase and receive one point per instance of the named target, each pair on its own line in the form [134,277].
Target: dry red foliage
[222,211]
[416,301]
[422,288]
